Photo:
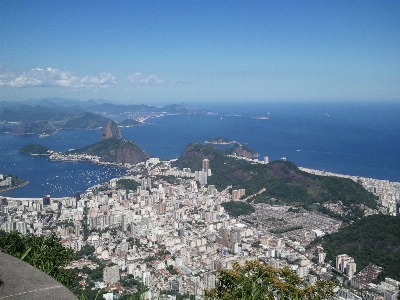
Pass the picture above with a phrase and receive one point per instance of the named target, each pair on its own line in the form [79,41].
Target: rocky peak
[111,131]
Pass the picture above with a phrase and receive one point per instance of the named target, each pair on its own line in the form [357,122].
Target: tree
[254,280]
[44,253]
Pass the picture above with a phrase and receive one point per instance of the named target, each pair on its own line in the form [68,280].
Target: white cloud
[56,78]
[140,79]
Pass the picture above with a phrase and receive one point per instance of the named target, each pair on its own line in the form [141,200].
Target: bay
[360,139]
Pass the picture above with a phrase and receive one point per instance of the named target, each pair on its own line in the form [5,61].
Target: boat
[261,118]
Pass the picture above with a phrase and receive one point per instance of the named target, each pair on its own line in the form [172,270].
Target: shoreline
[14,187]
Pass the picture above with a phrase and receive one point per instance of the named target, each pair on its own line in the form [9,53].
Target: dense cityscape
[199,150]
[166,228]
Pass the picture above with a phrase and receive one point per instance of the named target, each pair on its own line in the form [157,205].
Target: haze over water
[359,139]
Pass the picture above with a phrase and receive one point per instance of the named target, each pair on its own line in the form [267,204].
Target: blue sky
[192,51]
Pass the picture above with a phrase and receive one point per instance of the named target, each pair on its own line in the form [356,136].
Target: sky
[149,52]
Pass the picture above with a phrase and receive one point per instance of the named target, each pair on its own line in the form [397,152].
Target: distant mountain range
[101,106]
[46,116]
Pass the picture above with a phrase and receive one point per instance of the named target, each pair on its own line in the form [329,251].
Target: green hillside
[374,239]
[115,151]
[284,183]
[85,120]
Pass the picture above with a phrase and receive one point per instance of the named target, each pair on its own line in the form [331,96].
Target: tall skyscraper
[124,223]
[206,165]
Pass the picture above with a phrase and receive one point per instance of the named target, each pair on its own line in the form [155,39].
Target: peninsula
[111,150]
[8,182]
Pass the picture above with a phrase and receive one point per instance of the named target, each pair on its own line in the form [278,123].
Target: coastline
[14,187]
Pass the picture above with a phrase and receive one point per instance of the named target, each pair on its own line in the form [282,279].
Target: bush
[44,253]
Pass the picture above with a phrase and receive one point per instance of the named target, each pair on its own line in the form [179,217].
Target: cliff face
[126,155]
[111,131]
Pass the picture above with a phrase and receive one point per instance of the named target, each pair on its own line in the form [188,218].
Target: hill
[129,123]
[239,149]
[372,239]
[85,120]
[114,151]
[18,113]
[283,182]
[42,127]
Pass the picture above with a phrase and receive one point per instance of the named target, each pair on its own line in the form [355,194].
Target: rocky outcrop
[243,151]
[111,131]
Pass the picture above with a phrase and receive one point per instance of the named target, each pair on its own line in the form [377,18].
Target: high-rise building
[351,269]
[146,278]
[77,229]
[202,178]
[21,227]
[161,208]
[124,223]
[206,165]
[342,261]
[209,281]
[46,200]
[321,257]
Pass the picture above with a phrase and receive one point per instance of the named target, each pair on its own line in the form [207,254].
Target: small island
[8,182]
[35,149]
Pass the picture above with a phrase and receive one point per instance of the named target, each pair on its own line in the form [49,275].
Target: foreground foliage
[44,253]
[254,280]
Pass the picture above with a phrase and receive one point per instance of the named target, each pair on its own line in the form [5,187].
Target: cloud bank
[56,78]
[140,79]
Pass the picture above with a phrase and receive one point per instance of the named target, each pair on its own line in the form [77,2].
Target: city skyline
[161,52]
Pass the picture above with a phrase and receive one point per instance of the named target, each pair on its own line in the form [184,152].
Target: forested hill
[85,120]
[374,239]
[284,183]
[115,151]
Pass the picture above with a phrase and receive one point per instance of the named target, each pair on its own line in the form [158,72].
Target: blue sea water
[359,139]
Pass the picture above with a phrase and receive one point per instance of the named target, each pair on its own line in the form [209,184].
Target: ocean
[353,138]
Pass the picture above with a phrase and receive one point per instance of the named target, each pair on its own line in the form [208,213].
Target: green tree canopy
[254,280]
[44,253]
